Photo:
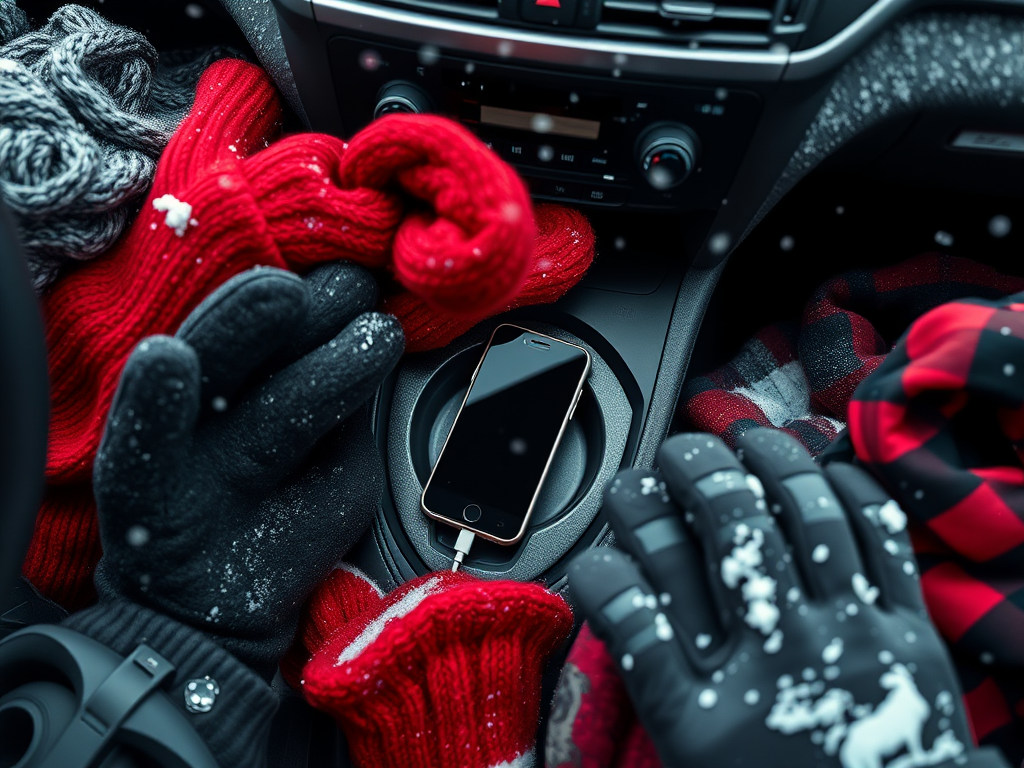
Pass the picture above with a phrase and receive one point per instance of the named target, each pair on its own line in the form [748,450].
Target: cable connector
[462,546]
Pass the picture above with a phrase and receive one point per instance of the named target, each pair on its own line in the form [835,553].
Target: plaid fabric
[800,377]
[941,423]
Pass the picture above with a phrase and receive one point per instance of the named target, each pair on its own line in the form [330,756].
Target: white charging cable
[462,546]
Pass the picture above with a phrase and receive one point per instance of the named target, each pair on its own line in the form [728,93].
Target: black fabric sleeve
[237,727]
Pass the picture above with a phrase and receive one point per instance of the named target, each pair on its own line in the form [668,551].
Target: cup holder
[573,469]
[428,390]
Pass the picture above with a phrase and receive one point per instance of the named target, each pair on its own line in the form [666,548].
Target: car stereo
[604,141]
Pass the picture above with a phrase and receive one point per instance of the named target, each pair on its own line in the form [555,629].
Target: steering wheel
[24,405]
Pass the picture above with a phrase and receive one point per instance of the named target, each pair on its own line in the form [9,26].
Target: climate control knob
[668,153]
[398,97]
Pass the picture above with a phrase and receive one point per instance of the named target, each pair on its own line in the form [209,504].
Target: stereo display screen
[540,122]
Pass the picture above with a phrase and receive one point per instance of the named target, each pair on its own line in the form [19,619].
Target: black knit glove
[235,471]
[772,614]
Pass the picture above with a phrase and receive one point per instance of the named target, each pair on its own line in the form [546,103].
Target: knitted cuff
[237,726]
[343,596]
[446,673]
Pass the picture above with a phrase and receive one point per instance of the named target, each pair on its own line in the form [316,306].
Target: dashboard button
[568,158]
[517,151]
[553,12]
[400,97]
[604,195]
[561,190]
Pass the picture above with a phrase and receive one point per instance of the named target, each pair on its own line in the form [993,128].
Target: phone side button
[472,513]
[575,403]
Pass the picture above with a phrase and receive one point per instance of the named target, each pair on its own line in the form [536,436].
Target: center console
[621,313]
[666,122]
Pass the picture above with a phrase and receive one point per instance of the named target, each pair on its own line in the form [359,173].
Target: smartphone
[497,454]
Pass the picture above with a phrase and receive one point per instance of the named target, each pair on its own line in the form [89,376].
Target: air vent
[729,23]
[468,9]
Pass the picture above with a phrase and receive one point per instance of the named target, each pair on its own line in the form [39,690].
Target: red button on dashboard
[553,12]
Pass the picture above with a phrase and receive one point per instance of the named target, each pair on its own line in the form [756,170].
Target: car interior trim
[641,58]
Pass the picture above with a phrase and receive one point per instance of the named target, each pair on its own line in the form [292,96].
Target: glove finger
[339,292]
[238,326]
[149,427]
[813,517]
[881,528]
[275,426]
[751,569]
[615,597]
[650,527]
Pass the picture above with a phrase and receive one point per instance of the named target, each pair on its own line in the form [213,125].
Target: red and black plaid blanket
[939,420]
[799,377]
[941,423]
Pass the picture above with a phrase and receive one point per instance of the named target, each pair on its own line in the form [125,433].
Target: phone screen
[498,450]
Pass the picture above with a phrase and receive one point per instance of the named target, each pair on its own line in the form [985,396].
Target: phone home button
[472,513]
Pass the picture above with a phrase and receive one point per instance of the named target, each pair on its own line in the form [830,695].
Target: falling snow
[833,651]
[707,698]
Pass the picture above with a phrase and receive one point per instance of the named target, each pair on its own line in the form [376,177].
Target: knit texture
[237,727]
[799,377]
[86,107]
[940,422]
[445,672]
[563,253]
[418,190]
[340,599]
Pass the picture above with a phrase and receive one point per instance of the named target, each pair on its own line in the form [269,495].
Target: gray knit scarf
[86,107]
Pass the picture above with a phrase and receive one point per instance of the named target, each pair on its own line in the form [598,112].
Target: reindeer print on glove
[770,614]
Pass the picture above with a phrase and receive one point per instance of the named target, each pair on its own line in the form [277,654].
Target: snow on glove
[445,672]
[223,500]
[772,615]
[230,478]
